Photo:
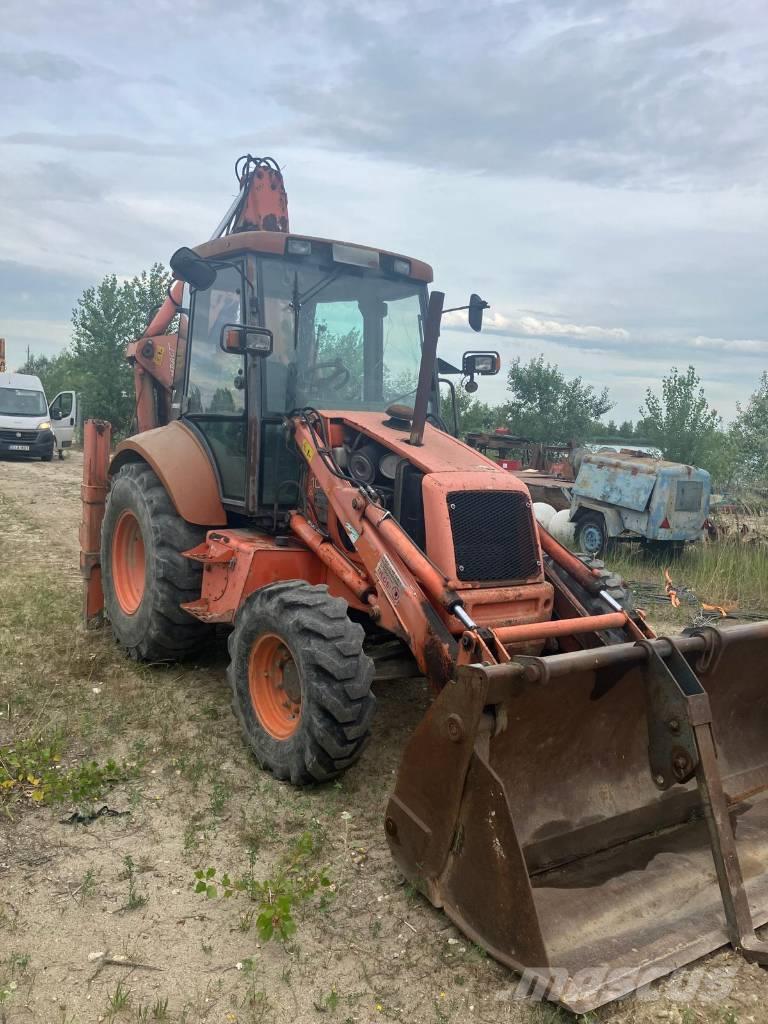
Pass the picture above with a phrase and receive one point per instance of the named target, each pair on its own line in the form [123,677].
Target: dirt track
[197,799]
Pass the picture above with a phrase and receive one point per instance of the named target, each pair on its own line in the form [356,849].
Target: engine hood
[440,453]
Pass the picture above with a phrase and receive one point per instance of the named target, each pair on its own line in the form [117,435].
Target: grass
[118,1000]
[728,573]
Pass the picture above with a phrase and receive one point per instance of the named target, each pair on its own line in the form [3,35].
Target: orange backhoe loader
[585,800]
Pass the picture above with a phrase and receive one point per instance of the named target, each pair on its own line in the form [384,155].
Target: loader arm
[408,595]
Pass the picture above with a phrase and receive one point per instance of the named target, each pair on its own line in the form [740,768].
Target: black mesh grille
[8,434]
[493,536]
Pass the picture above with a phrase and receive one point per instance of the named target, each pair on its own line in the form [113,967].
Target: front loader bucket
[588,817]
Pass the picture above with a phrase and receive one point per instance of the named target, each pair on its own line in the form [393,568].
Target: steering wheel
[337,379]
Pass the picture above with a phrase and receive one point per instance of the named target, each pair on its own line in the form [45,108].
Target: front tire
[301,684]
[145,576]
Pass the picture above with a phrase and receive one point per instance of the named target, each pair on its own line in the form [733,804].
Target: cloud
[606,93]
[601,160]
[50,180]
[750,346]
[102,142]
[495,322]
[50,67]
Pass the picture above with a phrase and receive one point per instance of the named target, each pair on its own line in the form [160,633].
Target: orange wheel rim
[273,682]
[128,571]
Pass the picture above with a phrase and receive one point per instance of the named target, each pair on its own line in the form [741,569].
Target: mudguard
[184,468]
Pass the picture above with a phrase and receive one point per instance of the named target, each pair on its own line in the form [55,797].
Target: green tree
[105,319]
[626,429]
[56,373]
[680,421]
[546,406]
[749,435]
[473,415]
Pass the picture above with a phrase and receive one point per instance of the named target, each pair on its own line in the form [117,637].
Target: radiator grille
[493,535]
[25,436]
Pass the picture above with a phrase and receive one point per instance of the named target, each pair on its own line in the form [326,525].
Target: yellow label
[159,353]
[309,451]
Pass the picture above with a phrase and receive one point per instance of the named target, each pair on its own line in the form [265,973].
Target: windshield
[20,402]
[342,338]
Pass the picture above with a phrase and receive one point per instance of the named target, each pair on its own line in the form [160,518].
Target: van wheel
[592,534]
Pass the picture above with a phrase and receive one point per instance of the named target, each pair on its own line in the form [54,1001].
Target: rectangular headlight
[401,266]
[298,246]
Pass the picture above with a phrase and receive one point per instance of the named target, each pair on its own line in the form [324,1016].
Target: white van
[27,425]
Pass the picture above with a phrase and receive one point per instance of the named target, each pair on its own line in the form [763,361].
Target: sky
[597,170]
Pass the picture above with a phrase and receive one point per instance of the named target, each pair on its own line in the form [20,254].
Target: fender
[184,468]
[614,523]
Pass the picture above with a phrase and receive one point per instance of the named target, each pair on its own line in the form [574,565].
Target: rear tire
[301,684]
[144,574]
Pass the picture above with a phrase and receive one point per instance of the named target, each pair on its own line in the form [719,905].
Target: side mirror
[55,414]
[479,364]
[475,315]
[240,339]
[193,269]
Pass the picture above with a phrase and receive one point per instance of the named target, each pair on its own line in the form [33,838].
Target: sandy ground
[196,799]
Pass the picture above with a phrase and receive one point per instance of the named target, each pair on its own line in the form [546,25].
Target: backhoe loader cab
[575,779]
[342,330]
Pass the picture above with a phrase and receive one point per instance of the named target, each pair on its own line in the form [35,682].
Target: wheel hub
[592,539]
[275,686]
[128,562]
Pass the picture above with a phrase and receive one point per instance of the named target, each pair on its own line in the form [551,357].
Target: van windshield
[21,402]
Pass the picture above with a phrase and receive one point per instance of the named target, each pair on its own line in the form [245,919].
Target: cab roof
[274,242]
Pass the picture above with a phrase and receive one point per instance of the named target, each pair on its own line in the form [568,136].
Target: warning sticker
[390,579]
[309,451]
[159,353]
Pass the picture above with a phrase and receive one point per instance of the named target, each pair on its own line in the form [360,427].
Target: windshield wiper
[298,299]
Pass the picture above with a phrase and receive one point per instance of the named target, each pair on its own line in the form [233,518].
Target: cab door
[63,414]
[215,399]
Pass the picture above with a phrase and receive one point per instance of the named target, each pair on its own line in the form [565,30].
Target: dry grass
[730,573]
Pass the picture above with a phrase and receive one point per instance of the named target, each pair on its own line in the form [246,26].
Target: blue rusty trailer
[624,496]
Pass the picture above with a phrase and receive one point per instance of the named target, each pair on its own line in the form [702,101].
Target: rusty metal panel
[93,492]
[610,481]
